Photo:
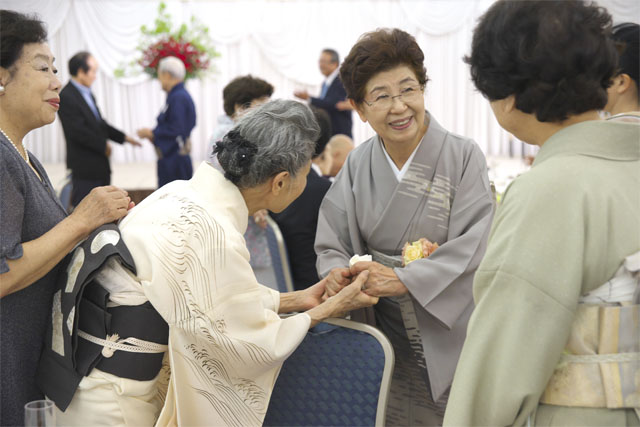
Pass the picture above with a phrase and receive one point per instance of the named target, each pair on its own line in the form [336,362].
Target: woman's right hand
[101,206]
[349,298]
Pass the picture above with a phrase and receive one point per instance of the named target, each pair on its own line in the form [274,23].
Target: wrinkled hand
[260,218]
[145,133]
[337,279]
[302,94]
[344,105]
[382,281]
[351,297]
[313,295]
[101,206]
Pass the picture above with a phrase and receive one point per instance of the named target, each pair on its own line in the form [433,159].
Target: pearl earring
[1,89]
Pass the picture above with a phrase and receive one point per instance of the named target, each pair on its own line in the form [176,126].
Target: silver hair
[281,136]
[172,65]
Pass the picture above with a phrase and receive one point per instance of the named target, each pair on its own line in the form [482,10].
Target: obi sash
[85,330]
[600,366]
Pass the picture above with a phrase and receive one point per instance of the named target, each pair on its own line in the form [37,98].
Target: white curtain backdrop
[277,40]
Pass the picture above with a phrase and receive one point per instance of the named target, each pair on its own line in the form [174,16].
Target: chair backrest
[279,256]
[338,376]
[64,195]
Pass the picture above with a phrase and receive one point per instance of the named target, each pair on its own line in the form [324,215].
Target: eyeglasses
[384,101]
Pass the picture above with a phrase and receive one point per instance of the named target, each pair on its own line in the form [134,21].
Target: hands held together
[381,281]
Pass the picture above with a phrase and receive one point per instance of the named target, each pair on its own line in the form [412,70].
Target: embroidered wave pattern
[191,250]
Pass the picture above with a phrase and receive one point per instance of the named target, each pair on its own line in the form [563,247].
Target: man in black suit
[85,130]
[332,97]
[299,221]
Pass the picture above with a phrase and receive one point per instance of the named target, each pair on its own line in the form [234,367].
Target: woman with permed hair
[413,182]
[554,338]
[35,231]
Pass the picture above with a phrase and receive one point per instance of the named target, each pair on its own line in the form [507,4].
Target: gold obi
[600,365]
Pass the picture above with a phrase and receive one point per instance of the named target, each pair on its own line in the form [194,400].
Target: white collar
[316,168]
[220,194]
[331,77]
[399,173]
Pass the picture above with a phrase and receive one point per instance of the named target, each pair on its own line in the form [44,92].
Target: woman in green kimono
[554,338]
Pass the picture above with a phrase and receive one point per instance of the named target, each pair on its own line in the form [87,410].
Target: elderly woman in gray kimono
[413,180]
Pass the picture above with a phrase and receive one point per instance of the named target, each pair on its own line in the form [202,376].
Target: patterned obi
[405,303]
[600,366]
[88,332]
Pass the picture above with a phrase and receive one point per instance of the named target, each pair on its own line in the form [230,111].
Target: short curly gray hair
[277,136]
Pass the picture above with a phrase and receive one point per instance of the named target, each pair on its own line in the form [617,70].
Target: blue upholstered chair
[338,376]
[279,256]
[64,195]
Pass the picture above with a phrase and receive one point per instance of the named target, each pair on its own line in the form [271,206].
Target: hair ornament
[242,152]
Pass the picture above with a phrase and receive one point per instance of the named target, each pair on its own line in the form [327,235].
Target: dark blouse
[28,209]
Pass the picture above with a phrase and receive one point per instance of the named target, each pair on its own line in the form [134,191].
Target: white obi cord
[622,287]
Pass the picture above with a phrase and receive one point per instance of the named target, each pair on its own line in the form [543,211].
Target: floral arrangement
[421,248]
[190,43]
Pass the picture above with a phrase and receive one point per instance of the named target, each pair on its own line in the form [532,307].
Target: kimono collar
[612,140]
[176,88]
[220,194]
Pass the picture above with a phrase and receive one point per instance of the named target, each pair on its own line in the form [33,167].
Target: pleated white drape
[279,41]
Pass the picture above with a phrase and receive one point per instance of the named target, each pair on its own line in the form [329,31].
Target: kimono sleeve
[441,284]
[526,290]
[12,192]
[337,226]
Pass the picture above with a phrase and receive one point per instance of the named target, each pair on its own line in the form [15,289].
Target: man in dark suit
[85,130]
[332,97]
[299,221]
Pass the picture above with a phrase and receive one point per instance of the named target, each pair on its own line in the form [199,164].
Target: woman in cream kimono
[555,336]
[226,341]
[413,180]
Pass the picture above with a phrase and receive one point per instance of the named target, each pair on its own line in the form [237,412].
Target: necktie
[323,91]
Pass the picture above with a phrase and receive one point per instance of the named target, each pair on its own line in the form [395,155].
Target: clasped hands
[381,282]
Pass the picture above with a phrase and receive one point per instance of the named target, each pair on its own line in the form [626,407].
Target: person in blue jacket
[177,119]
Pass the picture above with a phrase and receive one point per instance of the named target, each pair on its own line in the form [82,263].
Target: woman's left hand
[382,281]
[313,295]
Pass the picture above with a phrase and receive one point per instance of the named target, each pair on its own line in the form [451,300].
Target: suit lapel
[86,110]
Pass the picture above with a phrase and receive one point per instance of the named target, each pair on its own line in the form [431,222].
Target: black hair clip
[243,150]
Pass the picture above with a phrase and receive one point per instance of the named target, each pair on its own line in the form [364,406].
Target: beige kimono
[226,340]
[562,230]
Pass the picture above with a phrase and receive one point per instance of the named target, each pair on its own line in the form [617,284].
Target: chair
[64,195]
[338,376]
[279,256]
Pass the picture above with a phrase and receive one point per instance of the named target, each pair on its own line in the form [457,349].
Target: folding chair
[338,376]
[279,256]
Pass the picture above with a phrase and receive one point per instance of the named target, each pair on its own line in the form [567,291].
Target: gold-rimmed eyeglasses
[384,101]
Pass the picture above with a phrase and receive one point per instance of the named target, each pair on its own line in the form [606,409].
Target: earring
[1,89]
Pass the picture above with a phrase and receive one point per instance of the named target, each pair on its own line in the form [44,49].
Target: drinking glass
[40,413]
